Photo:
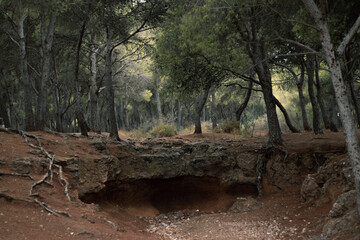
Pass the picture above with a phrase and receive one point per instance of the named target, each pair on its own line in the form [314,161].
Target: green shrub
[138,134]
[163,130]
[228,126]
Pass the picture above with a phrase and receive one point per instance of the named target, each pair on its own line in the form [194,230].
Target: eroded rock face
[333,184]
[127,162]
[331,179]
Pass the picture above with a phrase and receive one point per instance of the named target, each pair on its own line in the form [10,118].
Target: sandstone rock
[345,202]
[2,162]
[21,165]
[336,228]
[99,145]
[310,190]
[245,204]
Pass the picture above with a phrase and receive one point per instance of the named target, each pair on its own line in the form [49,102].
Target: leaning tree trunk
[200,101]
[258,55]
[315,107]
[333,62]
[242,107]
[29,117]
[113,129]
[286,116]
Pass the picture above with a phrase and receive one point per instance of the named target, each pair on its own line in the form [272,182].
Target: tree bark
[179,115]
[29,117]
[200,101]
[113,130]
[3,110]
[286,115]
[350,80]
[333,62]
[213,109]
[79,111]
[299,85]
[93,92]
[47,37]
[157,95]
[242,107]
[315,107]
[319,97]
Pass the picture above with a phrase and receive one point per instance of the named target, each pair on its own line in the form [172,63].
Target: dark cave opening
[206,194]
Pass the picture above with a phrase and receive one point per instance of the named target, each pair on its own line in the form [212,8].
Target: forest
[100,66]
[239,65]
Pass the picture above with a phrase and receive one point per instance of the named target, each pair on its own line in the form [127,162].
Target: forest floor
[282,216]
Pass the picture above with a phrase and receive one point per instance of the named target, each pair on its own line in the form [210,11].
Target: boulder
[345,202]
[310,190]
[244,205]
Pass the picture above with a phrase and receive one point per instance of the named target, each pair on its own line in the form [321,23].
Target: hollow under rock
[155,196]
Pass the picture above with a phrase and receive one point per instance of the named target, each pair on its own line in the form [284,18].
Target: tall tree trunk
[333,62]
[179,115]
[3,110]
[29,117]
[93,93]
[257,53]
[213,109]
[242,107]
[121,113]
[79,111]
[286,116]
[47,37]
[299,85]
[126,112]
[315,107]
[350,80]
[200,101]
[157,95]
[320,97]
[113,130]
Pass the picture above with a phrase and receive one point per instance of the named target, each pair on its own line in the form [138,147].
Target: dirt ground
[282,215]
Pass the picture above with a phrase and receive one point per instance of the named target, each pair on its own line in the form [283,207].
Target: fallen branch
[16,174]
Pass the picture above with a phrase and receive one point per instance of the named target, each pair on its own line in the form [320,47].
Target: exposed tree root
[113,224]
[50,210]
[16,174]
[11,198]
[47,176]
[62,179]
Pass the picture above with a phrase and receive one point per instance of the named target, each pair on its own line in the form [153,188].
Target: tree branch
[348,37]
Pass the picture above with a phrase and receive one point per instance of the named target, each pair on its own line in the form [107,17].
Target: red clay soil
[283,215]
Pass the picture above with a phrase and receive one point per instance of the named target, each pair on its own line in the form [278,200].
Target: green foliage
[164,130]
[229,126]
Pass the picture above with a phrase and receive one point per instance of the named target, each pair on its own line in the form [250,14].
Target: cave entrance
[155,196]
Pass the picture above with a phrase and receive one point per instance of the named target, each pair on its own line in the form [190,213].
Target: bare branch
[296,43]
[348,37]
